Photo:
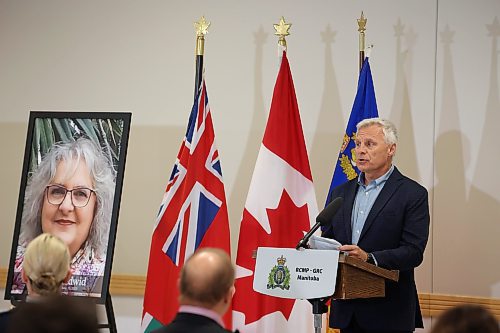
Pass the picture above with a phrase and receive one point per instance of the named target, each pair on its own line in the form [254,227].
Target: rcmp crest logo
[279,277]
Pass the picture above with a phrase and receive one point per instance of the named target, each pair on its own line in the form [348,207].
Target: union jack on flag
[193,214]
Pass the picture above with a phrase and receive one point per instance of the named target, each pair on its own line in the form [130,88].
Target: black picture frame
[109,131]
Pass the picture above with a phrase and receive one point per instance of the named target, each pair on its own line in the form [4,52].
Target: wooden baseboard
[430,304]
[127,285]
[433,304]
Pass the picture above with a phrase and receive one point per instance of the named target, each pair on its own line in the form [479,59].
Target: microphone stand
[318,304]
[318,308]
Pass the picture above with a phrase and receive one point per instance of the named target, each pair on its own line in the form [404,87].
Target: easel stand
[111,324]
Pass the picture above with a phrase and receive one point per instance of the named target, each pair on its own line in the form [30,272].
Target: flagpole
[361,28]
[201,28]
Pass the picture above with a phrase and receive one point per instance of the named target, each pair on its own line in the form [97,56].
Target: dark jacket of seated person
[55,314]
[5,319]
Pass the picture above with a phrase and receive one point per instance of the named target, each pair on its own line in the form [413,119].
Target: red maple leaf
[287,224]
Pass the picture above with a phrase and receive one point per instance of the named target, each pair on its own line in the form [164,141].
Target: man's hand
[354,251]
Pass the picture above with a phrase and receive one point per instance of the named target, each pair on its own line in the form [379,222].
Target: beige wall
[435,72]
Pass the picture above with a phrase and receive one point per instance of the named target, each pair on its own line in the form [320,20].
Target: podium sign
[296,274]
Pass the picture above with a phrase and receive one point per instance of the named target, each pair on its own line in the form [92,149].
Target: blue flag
[365,106]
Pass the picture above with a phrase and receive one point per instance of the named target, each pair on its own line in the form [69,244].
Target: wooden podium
[358,279]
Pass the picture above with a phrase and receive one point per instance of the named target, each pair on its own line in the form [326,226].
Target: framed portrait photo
[71,187]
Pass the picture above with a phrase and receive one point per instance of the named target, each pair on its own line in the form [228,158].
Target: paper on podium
[322,243]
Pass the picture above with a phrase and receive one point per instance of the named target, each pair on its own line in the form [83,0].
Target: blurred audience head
[55,314]
[46,265]
[466,319]
[207,280]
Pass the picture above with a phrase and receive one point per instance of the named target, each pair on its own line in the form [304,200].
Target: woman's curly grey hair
[101,172]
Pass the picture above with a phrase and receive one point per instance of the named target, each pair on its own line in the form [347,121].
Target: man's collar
[202,312]
[379,180]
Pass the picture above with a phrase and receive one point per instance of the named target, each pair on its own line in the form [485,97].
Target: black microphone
[323,219]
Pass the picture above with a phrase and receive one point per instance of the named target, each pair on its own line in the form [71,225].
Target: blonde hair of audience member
[207,280]
[46,265]
[466,319]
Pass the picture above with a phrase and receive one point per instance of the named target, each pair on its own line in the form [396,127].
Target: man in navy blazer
[384,221]
[206,288]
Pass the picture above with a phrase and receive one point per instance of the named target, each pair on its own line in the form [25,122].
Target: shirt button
[361,212]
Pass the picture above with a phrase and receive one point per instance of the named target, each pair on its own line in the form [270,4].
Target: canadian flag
[281,205]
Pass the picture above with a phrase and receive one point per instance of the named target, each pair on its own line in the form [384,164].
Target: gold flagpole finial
[282,31]
[361,28]
[362,23]
[201,28]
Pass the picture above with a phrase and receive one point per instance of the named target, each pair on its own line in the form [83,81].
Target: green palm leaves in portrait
[106,133]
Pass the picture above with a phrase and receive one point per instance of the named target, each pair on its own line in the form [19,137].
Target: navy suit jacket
[395,232]
[5,319]
[192,323]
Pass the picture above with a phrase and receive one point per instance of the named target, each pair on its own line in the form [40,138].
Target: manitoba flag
[192,214]
[364,106]
[280,207]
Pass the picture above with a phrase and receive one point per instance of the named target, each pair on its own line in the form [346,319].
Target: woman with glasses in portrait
[70,195]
